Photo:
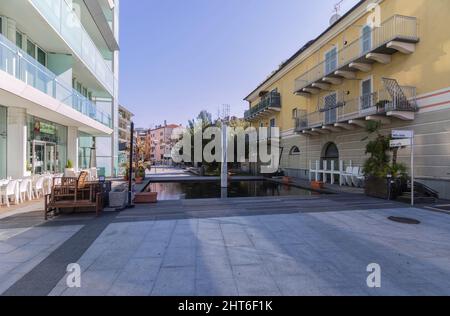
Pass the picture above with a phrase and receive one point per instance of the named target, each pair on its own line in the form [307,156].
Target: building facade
[385,61]
[59,70]
[125,118]
[162,143]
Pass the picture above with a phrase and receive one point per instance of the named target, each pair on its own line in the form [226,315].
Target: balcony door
[366,39]
[366,94]
[330,102]
[331,60]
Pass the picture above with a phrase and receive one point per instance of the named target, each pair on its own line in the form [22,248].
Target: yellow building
[387,61]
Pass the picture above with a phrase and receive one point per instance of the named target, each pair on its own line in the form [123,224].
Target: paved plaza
[305,246]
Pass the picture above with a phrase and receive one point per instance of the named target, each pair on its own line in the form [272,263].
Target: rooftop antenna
[336,16]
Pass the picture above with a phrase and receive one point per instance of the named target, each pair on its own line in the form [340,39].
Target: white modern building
[59,70]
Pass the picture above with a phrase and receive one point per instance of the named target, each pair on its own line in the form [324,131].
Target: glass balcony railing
[396,28]
[62,17]
[273,100]
[22,66]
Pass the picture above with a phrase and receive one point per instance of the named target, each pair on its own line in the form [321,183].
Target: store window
[47,146]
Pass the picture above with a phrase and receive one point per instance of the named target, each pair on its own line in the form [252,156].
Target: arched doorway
[330,153]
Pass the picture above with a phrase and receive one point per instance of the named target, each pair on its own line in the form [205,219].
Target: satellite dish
[334,18]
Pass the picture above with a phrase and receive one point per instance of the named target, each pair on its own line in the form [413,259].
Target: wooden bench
[73,193]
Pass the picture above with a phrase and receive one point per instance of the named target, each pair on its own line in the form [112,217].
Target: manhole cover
[404,220]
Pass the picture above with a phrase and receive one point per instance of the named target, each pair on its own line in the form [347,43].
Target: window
[330,108]
[79,88]
[272,123]
[366,93]
[41,57]
[331,60]
[295,113]
[366,39]
[85,92]
[1,25]
[295,151]
[19,40]
[31,49]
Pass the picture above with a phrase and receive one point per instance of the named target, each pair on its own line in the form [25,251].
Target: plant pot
[68,172]
[139,180]
[317,185]
[146,198]
[378,187]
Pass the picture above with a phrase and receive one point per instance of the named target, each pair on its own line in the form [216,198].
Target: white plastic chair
[39,187]
[10,190]
[347,176]
[24,190]
[357,177]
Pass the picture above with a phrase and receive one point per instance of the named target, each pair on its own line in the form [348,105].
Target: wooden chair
[74,193]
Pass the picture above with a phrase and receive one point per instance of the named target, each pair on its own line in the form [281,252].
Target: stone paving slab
[286,254]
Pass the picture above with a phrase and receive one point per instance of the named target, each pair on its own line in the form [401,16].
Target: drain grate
[404,220]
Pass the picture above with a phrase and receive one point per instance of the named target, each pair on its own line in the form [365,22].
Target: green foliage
[379,163]
[69,164]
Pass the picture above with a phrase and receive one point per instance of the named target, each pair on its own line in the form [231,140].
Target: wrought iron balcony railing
[396,28]
[270,102]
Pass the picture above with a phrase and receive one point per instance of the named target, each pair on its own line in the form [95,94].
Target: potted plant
[139,174]
[385,178]
[126,168]
[69,170]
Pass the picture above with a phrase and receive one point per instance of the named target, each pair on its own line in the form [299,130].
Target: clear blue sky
[181,56]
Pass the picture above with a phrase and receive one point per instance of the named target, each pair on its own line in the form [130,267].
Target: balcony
[269,105]
[345,114]
[396,34]
[20,65]
[60,15]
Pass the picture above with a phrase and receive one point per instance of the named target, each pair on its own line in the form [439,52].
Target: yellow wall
[427,69]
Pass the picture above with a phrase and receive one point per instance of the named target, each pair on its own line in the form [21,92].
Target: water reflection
[204,190]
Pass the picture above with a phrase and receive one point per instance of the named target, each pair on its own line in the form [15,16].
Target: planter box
[378,187]
[317,185]
[146,198]
[118,199]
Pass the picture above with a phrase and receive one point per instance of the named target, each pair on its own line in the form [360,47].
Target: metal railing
[272,100]
[22,66]
[62,17]
[397,27]
[379,102]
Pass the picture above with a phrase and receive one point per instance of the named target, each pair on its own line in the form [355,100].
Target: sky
[178,57]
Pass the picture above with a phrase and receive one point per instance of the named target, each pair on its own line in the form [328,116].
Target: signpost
[405,139]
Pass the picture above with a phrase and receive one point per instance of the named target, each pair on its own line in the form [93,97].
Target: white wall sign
[402,134]
[400,143]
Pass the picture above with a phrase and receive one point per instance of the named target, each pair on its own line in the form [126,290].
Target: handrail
[272,100]
[374,103]
[397,26]
[60,14]
[19,64]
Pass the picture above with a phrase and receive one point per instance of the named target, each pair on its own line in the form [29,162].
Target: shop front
[47,146]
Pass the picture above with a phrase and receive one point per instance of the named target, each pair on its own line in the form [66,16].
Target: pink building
[161,143]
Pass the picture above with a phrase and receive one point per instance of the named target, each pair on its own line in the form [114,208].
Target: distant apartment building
[396,72]
[162,143]
[143,144]
[59,63]
[125,118]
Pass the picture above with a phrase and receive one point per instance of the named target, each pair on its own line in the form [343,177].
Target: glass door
[44,157]
[38,157]
[50,157]
[330,109]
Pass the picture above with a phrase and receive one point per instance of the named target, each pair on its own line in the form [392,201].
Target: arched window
[331,151]
[294,151]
